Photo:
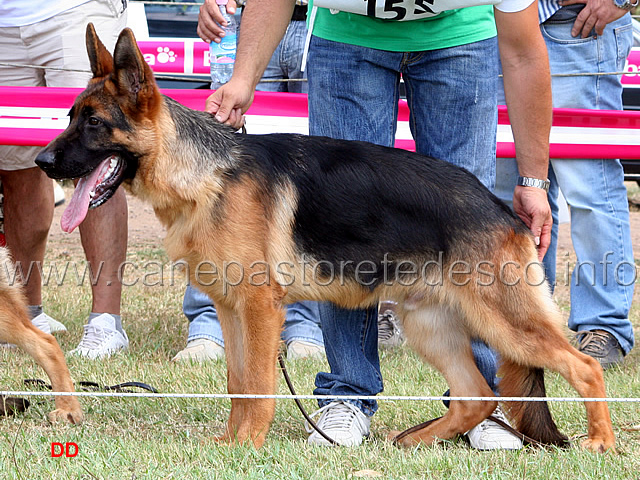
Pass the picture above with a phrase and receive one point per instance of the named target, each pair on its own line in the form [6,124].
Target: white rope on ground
[316,397]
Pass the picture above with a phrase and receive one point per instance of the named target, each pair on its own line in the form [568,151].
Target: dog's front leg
[251,344]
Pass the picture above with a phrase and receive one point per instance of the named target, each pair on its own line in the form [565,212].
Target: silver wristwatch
[625,4]
[534,182]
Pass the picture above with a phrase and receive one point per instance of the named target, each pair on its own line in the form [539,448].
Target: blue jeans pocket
[560,32]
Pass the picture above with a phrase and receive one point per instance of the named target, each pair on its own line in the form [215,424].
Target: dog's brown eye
[94,121]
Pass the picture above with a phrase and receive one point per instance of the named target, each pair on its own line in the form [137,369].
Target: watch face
[621,3]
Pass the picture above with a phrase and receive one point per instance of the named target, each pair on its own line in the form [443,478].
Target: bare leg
[104,239]
[28,212]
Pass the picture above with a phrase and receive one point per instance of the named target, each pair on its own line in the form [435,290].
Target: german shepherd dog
[280,218]
[16,328]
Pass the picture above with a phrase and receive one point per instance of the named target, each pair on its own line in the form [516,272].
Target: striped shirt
[546,8]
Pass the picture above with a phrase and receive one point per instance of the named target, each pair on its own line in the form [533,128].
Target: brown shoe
[601,345]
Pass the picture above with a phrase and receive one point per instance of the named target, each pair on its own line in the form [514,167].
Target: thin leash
[506,426]
[299,403]
[403,434]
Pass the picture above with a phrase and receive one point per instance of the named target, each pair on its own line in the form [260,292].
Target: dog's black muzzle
[46,160]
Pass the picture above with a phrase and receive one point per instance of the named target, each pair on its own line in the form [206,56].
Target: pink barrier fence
[35,115]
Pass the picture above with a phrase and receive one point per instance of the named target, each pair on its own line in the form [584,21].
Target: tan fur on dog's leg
[46,352]
[523,324]
[449,350]
[253,369]
[585,375]
[234,354]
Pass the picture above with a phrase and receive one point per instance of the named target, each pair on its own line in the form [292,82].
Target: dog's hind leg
[523,324]
[251,344]
[17,328]
[439,336]
[554,352]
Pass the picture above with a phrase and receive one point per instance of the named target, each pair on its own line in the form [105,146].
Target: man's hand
[210,19]
[596,14]
[229,102]
[532,206]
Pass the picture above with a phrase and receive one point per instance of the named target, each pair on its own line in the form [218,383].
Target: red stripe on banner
[572,150]
[265,103]
[43,97]
[34,137]
[575,117]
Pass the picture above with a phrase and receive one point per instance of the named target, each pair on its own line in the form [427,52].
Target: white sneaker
[54,325]
[488,435]
[101,339]
[297,349]
[41,322]
[200,350]
[341,421]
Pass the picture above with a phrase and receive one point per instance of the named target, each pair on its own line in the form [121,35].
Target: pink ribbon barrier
[35,115]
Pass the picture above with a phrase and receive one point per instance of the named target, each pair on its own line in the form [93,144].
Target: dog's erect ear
[100,58]
[132,74]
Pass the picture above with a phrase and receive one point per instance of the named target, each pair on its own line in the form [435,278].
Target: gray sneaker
[601,345]
[389,332]
[298,350]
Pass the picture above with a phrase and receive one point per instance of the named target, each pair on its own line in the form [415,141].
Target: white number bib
[399,9]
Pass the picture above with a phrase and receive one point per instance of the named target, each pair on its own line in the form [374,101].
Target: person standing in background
[50,35]
[589,37]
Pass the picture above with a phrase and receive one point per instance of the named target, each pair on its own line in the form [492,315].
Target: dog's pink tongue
[78,207]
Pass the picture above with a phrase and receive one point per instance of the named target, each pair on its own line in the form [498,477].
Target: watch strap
[534,182]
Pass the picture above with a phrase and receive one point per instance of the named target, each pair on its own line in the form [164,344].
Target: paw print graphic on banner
[165,55]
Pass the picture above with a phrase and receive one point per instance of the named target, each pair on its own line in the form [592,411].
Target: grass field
[150,438]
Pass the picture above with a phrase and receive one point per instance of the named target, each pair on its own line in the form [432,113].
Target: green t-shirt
[449,29]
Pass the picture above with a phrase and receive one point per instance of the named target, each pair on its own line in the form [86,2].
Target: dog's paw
[223,439]
[73,417]
[406,441]
[598,445]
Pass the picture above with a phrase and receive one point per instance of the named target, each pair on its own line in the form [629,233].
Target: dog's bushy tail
[533,419]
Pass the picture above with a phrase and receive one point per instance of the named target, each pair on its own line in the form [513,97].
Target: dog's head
[110,129]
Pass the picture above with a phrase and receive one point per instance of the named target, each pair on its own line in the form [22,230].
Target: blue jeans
[286,61]
[602,282]
[302,322]
[353,94]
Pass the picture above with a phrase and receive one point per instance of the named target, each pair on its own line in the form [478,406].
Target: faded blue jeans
[286,61]
[302,321]
[353,94]
[603,280]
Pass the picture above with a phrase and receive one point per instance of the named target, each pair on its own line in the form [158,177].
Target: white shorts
[58,42]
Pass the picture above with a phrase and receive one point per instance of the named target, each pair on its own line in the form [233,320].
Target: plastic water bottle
[222,55]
